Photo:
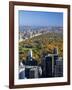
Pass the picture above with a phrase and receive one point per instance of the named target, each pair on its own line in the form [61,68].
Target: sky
[40,18]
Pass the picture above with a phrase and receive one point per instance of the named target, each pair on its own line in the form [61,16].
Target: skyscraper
[47,67]
[48,64]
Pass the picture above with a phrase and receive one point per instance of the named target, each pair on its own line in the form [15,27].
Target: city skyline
[40,18]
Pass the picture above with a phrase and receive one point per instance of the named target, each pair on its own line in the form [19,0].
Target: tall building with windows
[20,36]
[31,69]
[49,64]
[47,67]
[58,70]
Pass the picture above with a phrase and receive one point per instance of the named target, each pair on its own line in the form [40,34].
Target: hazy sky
[37,18]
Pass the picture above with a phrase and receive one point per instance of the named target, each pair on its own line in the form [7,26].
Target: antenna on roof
[30,54]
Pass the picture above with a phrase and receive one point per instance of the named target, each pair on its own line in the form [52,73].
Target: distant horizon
[40,26]
[40,18]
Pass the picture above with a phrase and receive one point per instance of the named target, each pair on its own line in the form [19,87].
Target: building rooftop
[32,62]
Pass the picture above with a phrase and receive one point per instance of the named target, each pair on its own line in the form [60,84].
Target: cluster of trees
[41,45]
